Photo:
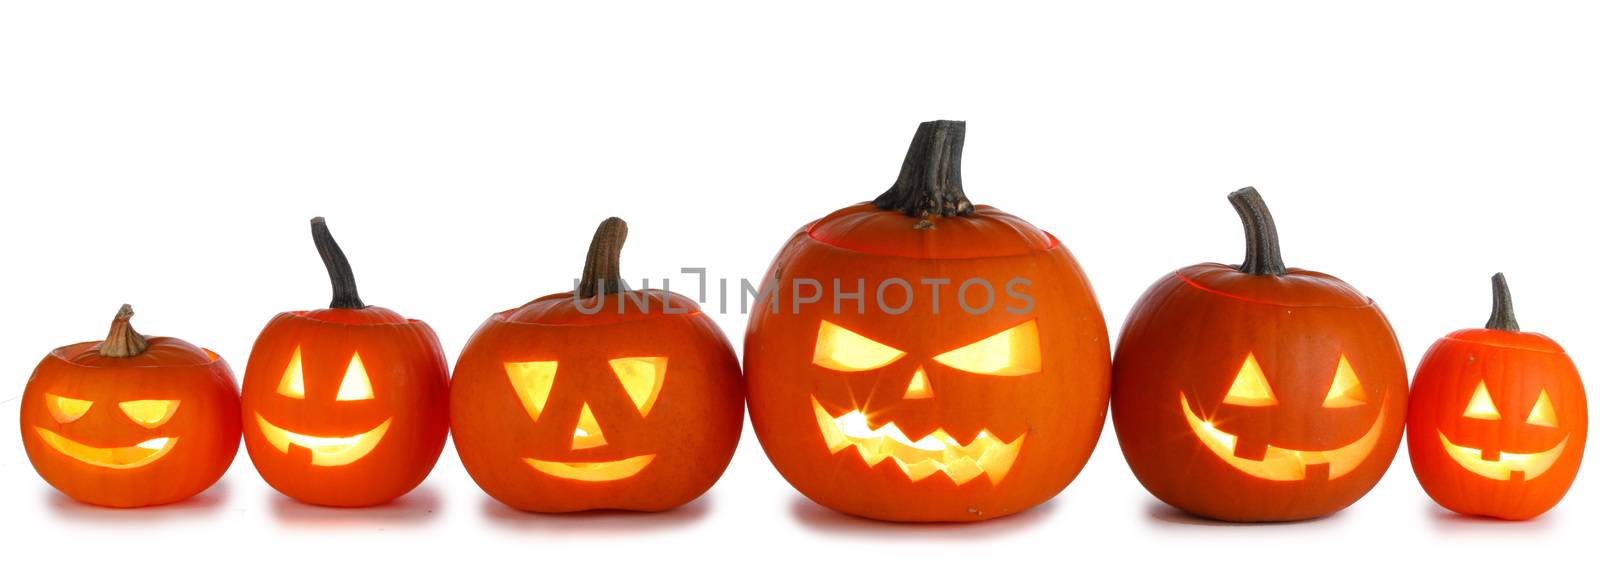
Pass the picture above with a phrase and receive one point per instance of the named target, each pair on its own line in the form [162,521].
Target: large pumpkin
[1498,418]
[919,358]
[1257,392]
[345,406]
[604,398]
[131,421]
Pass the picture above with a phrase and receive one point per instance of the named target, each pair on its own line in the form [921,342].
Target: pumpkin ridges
[1262,255]
[122,341]
[602,268]
[930,178]
[1502,318]
[339,271]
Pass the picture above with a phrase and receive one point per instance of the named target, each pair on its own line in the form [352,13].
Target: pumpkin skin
[1512,397]
[372,381]
[643,447]
[1047,417]
[201,429]
[1198,343]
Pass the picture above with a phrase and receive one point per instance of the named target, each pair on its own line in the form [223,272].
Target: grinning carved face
[1011,352]
[331,446]
[638,378]
[150,414]
[1501,465]
[1251,389]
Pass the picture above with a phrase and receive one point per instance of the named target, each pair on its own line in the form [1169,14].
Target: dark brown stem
[1261,253]
[344,280]
[930,179]
[122,341]
[1502,317]
[602,270]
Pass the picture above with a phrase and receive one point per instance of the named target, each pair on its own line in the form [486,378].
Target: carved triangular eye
[1013,352]
[293,383]
[532,381]
[1543,413]
[66,410]
[847,351]
[1346,390]
[356,385]
[642,378]
[1481,406]
[1250,386]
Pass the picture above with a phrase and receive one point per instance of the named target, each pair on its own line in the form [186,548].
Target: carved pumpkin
[601,399]
[1498,419]
[345,406]
[908,402]
[131,421]
[1256,392]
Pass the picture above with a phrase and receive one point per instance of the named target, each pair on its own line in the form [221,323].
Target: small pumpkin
[345,406]
[131,421]
[1256,392]
[904,400]
[1498,418]
[603,398]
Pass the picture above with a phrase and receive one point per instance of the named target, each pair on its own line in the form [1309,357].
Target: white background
[169,154]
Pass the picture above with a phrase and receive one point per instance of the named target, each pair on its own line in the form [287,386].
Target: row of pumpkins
[1247,393]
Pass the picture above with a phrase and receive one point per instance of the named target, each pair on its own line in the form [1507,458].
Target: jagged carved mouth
[325,451]
[109,457]
[1531,465]
[592,471]
[935,453]
[1280,464]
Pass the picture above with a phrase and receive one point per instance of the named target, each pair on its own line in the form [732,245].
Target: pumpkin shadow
[1167,514]
[1449,522]
[596,522]
[418,507]
[206,503]
[826,521]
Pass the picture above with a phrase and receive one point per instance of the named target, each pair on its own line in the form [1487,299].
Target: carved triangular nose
[587,435]
[919,387]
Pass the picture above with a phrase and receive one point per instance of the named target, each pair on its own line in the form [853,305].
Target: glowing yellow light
[1346,390]
[847,351]
[532,382]
[293,383]
[935,453]
[1481,406]
[325,451]
[1013,352]
[1279,464]
[1531,465]
[1543,413]
[111,458]
[355,385]
[66,410]
[149,413]
[1250,386]
[587,435]
[642,378]
[919,387]
[593,471]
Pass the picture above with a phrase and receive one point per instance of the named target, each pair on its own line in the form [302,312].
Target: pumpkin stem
[1261,253]
[930,178]
[123,341]
[1502,318]
[344,280]
[602,269]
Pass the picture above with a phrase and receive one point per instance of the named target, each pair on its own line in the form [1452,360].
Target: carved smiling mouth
[1280,464]
[593,471]
[937,452]
[1531,465]
[112,458]
[325,451]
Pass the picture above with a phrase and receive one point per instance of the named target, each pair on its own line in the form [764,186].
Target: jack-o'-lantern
[915,392]
[1498,419]
[604,398]
[345,406]
[131,421]
[1257,392]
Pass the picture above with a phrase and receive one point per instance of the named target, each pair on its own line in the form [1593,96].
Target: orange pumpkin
[345,406]
[601,399]
[131,421]
[1257,392]
[904,399]
[1498,419]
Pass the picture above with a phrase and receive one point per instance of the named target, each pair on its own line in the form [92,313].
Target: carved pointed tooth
[996,461]
[963,470]
[919,470]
